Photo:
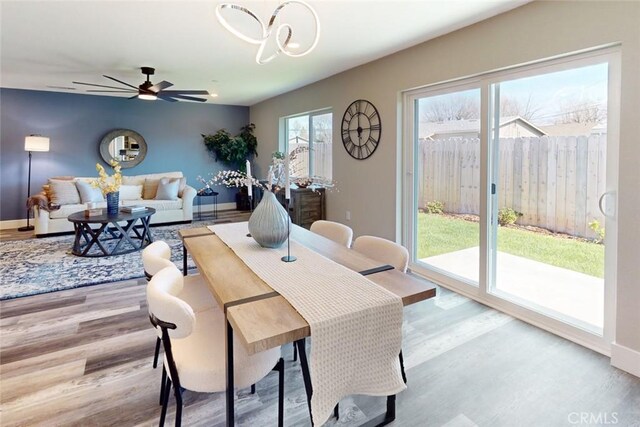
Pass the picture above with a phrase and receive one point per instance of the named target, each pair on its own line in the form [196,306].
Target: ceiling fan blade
[111,91]
[133,97]
[186,98]
[186,92]
[93,84]
[120,81]
[158,87]
[166,98]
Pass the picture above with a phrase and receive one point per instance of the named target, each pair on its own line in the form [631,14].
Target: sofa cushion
[183,184]
[159,205]
[63,192]
[130,192]
[88,193]
[150,188]
[66,210]
[139,179]
[168,189]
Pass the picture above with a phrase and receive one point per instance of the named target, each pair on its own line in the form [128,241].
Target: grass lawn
[438,234]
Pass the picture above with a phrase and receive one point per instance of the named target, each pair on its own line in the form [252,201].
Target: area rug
[36,266]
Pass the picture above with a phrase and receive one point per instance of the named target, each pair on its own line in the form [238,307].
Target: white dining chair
[194,346]
[388,252]
[335,231]
[383,250]
[195,291]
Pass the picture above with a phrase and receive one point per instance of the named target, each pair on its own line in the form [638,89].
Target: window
[308,140]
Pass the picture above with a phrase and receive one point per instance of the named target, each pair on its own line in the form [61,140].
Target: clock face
[361,129]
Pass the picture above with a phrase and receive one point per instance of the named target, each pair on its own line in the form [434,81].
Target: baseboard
[12,224]
[209,207]
[206,212]
[625,358]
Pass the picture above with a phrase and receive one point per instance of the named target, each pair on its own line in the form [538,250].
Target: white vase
[269,224]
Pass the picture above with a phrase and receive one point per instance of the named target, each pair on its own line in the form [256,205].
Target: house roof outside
[575,129]
[470,126]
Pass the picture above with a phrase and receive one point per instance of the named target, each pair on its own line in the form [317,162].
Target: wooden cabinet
[306,205]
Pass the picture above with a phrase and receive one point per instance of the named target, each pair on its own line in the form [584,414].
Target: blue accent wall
[75,125]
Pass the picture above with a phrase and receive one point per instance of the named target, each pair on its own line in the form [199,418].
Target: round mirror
[124,145]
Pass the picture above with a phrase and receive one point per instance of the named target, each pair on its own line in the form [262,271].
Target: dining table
[262,318]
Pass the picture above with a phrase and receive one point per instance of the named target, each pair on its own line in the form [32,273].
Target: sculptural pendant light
[283,33]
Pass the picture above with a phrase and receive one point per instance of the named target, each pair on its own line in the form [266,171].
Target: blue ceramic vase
[113,202]
[269,223]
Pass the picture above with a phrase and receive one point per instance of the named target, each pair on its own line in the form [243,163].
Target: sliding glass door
[510,184]
[549,169]
[447,166]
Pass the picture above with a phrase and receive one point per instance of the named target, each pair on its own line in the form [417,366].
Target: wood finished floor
[83,357]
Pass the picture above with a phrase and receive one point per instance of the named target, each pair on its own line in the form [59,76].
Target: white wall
[532,32]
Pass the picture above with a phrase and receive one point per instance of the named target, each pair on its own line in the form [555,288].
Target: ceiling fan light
[147,96]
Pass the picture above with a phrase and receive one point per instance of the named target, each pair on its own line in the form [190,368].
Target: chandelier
[281,32]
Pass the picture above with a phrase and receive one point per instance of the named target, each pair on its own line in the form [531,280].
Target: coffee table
[131,237]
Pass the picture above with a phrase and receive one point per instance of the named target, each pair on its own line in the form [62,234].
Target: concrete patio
[555,290]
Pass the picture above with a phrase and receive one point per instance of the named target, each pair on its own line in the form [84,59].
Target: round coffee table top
[105,218]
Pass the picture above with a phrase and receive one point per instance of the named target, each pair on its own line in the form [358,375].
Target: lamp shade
[36,143]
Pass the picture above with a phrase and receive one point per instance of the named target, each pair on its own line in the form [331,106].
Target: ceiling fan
[149,91]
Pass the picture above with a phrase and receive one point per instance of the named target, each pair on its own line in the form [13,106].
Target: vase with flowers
[269,223]
[109,186]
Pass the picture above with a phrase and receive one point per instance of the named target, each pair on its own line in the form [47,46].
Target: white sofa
[55,221]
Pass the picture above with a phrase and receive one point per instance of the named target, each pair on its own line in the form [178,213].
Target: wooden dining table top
[261,317]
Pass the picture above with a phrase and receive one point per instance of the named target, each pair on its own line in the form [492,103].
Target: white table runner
[356,326]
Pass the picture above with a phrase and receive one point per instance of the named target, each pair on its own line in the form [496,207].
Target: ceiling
[46,45]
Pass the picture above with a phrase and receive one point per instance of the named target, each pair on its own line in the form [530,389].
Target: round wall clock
[361,129]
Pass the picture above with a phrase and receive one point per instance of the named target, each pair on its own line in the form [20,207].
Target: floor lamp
[33,143]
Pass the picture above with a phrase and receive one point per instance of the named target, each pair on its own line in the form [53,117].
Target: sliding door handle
[607,211]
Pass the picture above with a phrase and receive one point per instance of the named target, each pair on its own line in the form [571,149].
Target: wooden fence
[321,158]
[554,181]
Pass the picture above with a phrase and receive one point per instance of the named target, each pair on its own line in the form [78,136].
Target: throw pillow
[183,183]
[133,180]
[168,189]
[150,188]
[130,192]
[88,193]
[63,192]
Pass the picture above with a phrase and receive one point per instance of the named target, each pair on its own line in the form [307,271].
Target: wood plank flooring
[82,357]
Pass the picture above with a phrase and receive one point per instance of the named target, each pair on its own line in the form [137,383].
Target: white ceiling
[52,43]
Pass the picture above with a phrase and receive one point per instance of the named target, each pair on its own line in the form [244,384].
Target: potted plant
[234,151]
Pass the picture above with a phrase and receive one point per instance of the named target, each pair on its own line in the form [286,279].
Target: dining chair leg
[184,260]
[165,401]
[391,408]
[178,393]
[336,411]
[306,377]
[164,380]
[155,356]
[253,389]
[280,367]
[230,376]
[295,353]
[404,375]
